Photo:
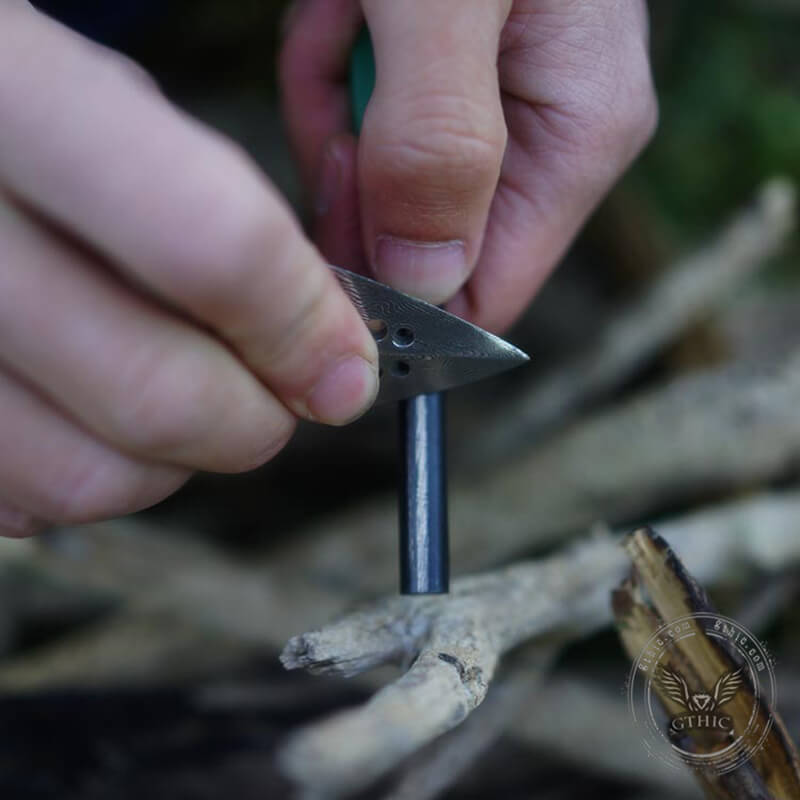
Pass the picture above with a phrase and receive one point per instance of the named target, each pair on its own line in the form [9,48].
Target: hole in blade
[378,328]
[403,337]
[400,369]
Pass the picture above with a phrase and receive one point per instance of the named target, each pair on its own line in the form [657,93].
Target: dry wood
[152,572]
[457,640]
[161,577]
[550,717]
[129,648]
[563,720]
[760,325]
[773,770]
[684,293]
[431,771]
[701,434]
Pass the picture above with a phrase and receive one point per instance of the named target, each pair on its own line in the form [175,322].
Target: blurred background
[99,701]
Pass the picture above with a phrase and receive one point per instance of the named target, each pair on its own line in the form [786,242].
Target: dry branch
[708,432]
[771,769]
[761,325]
[701,434]
[558,724]
[549,716]
[161,578]
[129,648]
[458,639]
[685,293]
[455,641]
[431,771]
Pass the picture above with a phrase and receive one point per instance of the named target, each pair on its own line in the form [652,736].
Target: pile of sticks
[538,507]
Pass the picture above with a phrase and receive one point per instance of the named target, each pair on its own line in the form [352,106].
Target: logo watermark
[719,725]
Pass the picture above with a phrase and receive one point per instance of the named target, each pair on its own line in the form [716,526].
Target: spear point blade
[423,348]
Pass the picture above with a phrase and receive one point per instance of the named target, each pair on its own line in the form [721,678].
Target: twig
[431,771]
[683,294]
[696,661]
[699,435]
[458,639]
[169,583]
[558,723]
[133,648]
[705,433]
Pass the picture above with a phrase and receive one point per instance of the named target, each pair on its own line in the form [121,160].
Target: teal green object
[362,77]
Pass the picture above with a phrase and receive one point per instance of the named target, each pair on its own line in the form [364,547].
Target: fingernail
[330,177]
[17,523]
[434,271]
[344,392]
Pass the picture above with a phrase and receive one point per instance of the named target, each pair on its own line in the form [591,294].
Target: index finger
[177,209]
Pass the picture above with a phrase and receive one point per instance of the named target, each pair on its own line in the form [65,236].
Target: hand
[494,129]
[160,310]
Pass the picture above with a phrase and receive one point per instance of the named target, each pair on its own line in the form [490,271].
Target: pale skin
[162,311]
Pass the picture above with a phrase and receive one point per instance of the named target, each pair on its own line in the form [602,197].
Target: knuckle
[126,68]
[179,408]
[461,149]
[303,316]
[165,402]
[291,59]
[86,490]
[635,122]
[616,123]
[102,485]
[235,227]
[645,120]
[261,448]
[633,115]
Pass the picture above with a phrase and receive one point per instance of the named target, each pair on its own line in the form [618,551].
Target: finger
[432,140]
[180,211]
[313,74]
[16,523]
[565,150]
[337,228]
[531,226]
[315,98]
[51,469]
[133,374]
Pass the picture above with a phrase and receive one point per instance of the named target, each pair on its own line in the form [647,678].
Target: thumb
[432,141]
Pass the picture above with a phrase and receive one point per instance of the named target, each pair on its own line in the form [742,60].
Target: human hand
[493,131]
[160,309]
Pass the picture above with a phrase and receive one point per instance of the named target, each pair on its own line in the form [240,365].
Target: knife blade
[423,348]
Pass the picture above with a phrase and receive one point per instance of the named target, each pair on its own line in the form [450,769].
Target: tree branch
[683,294]
[458,639]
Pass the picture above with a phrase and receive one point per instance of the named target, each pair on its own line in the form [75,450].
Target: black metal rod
[424,549]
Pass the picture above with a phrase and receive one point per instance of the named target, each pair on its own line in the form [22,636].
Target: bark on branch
[456,641]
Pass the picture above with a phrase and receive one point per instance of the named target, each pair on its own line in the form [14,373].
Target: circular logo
[701,705]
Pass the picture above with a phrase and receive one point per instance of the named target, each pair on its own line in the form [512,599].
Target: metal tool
[423,348]
[423,351]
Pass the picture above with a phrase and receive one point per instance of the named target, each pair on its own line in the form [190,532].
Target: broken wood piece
[440,765]
[458,639]
[456,642]
[720,718]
